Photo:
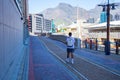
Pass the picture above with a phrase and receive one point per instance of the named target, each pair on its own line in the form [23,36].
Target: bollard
[96,47]
[79,43]
[107,48]
[117,50]
[85,43]
[90,44]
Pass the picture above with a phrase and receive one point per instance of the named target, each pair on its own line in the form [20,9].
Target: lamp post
[107,43]
[79,30]
[107,51]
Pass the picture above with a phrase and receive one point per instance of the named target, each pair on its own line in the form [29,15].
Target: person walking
[70,48]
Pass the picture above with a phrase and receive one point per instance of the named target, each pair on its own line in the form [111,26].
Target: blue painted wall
[11,39]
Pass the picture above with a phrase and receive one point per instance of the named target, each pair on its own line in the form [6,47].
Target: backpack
[69,42]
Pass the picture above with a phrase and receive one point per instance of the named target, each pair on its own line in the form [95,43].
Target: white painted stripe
[64,61]
[98,65]
[94,63]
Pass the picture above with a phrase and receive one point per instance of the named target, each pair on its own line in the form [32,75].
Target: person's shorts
[70,50]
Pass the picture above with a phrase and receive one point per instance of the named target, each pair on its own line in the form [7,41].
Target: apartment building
[38,25]
[47,26]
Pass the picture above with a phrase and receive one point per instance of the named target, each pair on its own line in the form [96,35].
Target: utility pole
[107,42]
[107,52]
[78,26]
[79,39]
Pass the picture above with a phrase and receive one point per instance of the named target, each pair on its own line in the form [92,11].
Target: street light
[107,43]
[107,52]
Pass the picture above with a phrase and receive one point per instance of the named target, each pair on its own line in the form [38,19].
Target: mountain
[65,13]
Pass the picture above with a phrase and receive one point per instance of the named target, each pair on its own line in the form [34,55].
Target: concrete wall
[11,39]
[62,38]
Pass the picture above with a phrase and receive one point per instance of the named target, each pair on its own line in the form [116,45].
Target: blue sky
[36,6]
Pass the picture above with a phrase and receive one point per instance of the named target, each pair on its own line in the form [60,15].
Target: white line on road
[64,61]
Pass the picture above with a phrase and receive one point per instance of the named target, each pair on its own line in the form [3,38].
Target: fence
[100,45]
[90,44]
[62,38]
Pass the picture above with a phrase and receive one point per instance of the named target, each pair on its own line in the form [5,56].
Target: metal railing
[92,44]
[101,46]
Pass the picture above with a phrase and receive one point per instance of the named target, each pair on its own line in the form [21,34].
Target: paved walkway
[89,65]
[44,66]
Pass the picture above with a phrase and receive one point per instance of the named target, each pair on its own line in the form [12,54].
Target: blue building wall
[103,17]
[11,40]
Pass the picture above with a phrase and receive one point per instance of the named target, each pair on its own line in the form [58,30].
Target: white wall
[34,24]
[11,36]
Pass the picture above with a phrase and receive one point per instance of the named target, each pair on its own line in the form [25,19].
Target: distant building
[99,31]
[113,17]
[117,17]
[36,23]
[47,25]
[103,17]
[91,20]
[53,26]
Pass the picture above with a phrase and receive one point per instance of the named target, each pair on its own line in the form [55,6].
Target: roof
[72,26]
[104,25]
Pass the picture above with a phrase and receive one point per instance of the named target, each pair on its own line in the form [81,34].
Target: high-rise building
[36,23]
[113,17]
[53,26]
[103,17]
[47,25]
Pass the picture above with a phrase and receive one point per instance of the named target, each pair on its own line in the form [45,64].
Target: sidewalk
[84,67]
[44,66]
